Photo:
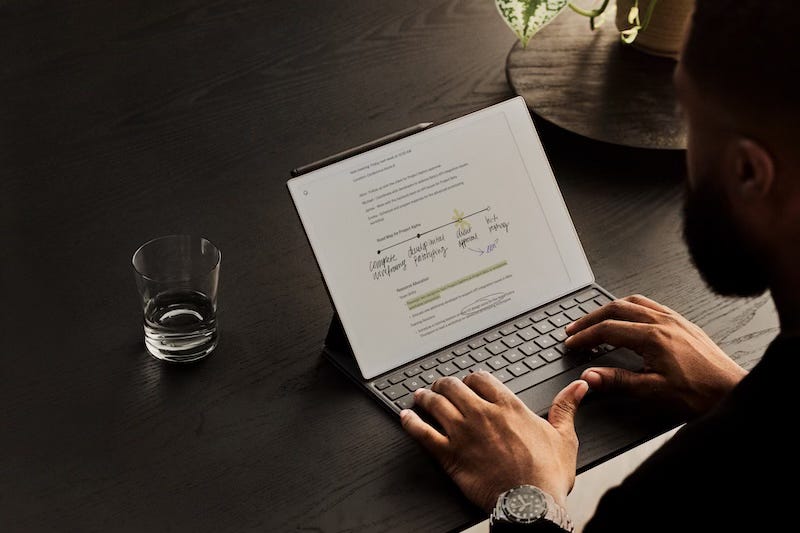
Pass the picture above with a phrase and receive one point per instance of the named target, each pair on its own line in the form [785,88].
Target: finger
[565,404]
[422,432]
[616,310]
[488,387]
[440,408]
[619,379]
[636,336]
[464,398]
[647,302]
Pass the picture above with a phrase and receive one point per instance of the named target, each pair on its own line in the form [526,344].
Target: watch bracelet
[557,514]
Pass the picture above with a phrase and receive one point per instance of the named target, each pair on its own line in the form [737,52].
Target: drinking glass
[177,277]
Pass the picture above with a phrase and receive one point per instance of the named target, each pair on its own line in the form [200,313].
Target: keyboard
[521,353]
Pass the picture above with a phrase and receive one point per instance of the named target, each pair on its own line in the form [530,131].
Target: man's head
[737,82]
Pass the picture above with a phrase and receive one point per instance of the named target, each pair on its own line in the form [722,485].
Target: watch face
[524,504]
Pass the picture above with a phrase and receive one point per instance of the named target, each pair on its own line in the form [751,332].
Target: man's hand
[683,366]
[493,442]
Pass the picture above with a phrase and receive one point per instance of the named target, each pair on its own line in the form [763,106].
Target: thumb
[565,404]
[619,379]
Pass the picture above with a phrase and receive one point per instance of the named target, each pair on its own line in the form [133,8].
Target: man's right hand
[682,366]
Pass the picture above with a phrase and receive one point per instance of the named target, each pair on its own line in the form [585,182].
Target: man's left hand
[493,442]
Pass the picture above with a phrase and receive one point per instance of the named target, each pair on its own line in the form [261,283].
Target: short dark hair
[747,54]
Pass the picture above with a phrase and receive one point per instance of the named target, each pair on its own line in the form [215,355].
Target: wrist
[558,496]
[725,386]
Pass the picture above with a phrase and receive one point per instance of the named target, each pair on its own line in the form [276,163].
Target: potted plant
[653,26]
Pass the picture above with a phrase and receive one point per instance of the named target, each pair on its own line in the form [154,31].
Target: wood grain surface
[590,83]
[121,121]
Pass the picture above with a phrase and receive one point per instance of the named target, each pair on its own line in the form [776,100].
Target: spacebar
[559,366]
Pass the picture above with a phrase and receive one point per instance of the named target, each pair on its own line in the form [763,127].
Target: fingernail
[568,341]
[404,413]
[590,376]
[569,327]
[419,392]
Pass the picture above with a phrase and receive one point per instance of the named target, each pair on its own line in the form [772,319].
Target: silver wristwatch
[525,506]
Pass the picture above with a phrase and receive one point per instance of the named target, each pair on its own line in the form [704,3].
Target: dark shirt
[730,470]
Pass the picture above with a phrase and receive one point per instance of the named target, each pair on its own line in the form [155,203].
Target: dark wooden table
[121,121]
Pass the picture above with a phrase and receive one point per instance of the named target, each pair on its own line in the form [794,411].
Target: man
[730,467]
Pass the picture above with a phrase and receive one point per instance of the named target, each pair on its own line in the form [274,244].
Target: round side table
[591,83]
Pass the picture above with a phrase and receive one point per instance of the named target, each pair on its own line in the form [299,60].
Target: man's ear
[753,168]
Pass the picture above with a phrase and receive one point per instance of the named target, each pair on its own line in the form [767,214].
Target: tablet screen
[432,238]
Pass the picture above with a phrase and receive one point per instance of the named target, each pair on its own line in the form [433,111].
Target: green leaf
[596,22]
[633,15]
[628,36]
[526,17]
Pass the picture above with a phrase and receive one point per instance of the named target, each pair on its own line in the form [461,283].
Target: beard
[728,262]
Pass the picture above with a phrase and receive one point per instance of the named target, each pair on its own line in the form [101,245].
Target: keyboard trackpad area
[539,397]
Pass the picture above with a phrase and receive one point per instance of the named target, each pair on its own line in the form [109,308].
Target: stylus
[359,149]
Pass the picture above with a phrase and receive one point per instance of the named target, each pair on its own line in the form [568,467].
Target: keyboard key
[538,317]
[397,378]
[508,330]
[575,313]
[512,341]
[413,371]
[477,343]
[559,334]
[491,337]
[414,384]
[496,348]
[518,369]
[430,377]
[589,307]
[380,385]
[597,351]
[503,376]
[479,367]
[540,374]
[559,320]
[497,363]
[480,355]
[569,304]
[395,392]
[528,334]
[602,300]
[448,369]
[405,403]
[529,348]
[561,347]
[522,324]
[545,342]
[427,365]
[553,310]
[445,357]
[587,295]
[464,362]
[461,375]
[513,356]
[549,355]
[544,327]
[534,362]
[461,350]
